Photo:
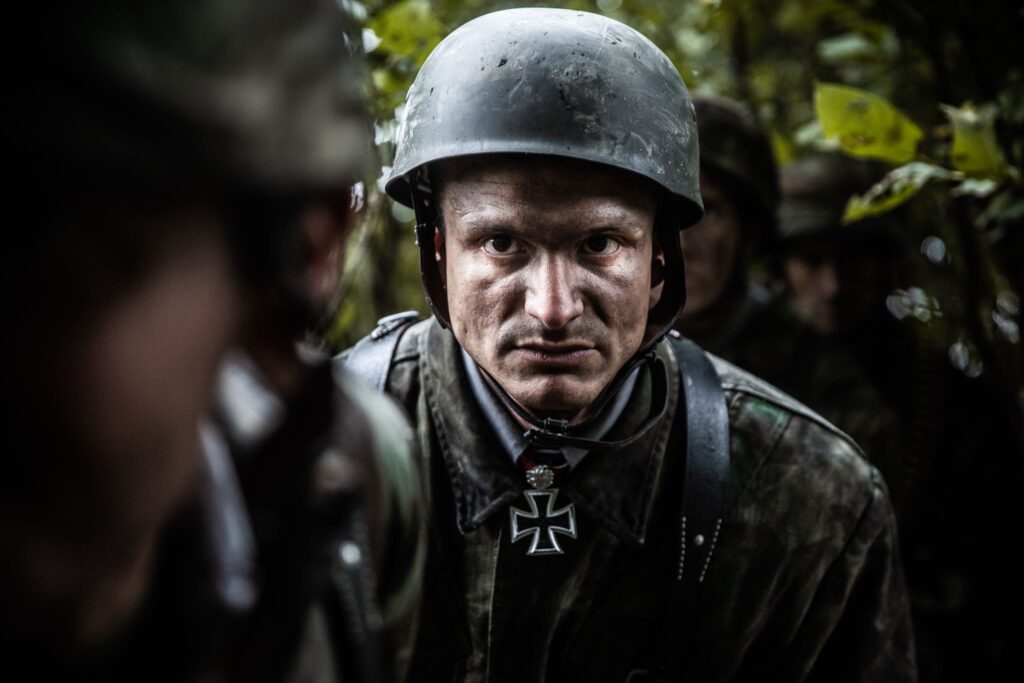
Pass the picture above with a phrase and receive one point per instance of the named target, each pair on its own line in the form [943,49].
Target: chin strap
[551,433]
[421,198]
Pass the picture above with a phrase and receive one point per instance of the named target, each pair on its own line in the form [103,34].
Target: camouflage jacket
[764,336]
[805,584]
[362,625]
[299,560]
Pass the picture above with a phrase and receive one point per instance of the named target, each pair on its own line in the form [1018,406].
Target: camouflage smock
[805,584]
[762,335]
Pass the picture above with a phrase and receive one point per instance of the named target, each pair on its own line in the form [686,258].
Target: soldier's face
[837,285]
[711,249]
[548,268]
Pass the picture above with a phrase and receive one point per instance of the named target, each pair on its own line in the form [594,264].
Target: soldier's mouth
[560,353]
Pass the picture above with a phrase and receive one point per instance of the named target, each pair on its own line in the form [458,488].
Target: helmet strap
[422,199]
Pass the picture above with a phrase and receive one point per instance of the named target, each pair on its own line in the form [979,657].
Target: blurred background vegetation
[933,88]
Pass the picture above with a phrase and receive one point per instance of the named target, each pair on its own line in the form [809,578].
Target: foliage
[865,125]
[896,188]
[975,149]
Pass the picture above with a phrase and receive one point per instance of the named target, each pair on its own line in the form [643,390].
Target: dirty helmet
[560,83]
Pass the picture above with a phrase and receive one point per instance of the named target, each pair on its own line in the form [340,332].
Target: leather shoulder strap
[703,502]
[371,357]
[707,458]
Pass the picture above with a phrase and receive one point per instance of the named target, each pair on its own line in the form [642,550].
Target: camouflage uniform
[805,583]
[764,336]
[335,501]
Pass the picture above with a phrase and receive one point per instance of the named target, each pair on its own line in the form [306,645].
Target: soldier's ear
[657,273]
[657,263]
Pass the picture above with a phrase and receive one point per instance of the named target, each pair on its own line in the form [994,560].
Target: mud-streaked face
[548,269]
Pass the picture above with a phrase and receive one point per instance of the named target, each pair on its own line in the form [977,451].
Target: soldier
[187,494]
[606,502]
[746,322]
[838,276]
[955,476]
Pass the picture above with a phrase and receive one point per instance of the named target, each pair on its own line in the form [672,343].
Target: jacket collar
[511,434]
[616,489]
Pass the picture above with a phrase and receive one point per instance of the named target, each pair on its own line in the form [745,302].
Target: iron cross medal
[551,522]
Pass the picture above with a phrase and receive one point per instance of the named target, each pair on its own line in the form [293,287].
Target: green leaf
[387,82]
[782,148]
[408,29]
[865,125]
[899,185]
[975,151]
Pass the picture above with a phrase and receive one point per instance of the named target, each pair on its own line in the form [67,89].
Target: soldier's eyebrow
[486,220]
[478,230]
[618,221]
[629,227]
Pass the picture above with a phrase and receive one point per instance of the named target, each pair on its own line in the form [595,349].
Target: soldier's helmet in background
[735,149]
[226,93]
[552,82]
[815,193]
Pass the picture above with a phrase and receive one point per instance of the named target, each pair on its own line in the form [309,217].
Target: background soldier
[183,182]
[551,159]
[955,474]
[744,321]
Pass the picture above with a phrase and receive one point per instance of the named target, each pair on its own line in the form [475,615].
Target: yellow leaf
[975,150]
[899,185]
[865,125]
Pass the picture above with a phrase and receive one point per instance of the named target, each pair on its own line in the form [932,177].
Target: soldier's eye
[600,244]
[501,244]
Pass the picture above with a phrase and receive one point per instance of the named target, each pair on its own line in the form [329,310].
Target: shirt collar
[510,434]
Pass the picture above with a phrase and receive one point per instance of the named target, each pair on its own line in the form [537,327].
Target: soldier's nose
[828,280]
[552,297]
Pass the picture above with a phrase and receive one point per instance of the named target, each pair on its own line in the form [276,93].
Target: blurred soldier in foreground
[185,493]
[743,321]
[607,502]
[956,475]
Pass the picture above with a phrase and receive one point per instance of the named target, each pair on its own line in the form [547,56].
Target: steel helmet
[258,93]
[815,192]
[733,145]
[552,82]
